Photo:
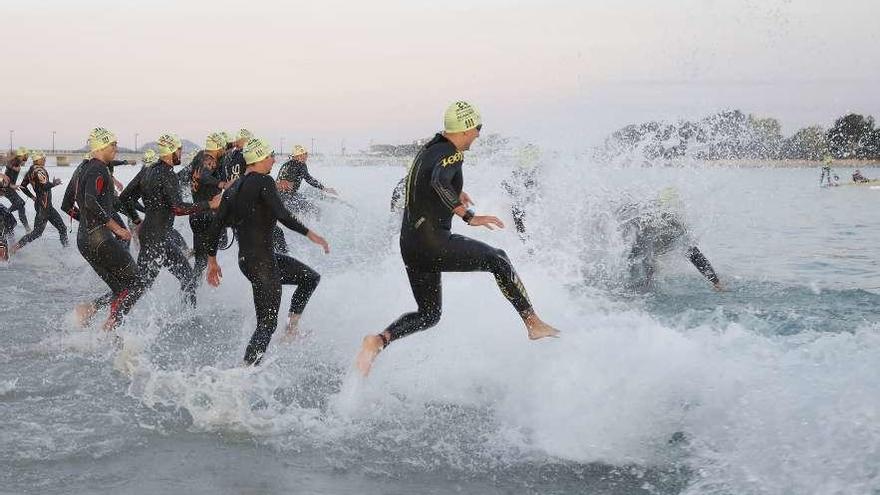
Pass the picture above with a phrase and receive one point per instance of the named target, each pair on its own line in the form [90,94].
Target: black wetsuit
[252,207]
[653,233]
[232,165]
[7,226]
[158,187]
[429,247]
[91,187]
[295,171]
[38,178]
[521,188]
[397,195]
[12,170]
[204,184]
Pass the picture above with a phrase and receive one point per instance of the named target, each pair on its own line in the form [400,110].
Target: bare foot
[370,348]
[109,324]
[538,329]
[4,255]
[84,313]
[292,328]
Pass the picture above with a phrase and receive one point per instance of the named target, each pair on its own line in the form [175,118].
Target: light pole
[312,149]
[11,133]
[135,142]
[281,147]
[53,142]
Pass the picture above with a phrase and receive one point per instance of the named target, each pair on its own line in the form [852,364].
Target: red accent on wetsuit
[117,301]
[99,185]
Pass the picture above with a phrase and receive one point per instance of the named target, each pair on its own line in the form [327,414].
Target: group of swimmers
[231,187]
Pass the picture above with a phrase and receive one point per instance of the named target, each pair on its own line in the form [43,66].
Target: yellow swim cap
[150,157]
[299,150]
[37,156]
[215,141]
[100,138]
[529,156]
[244,134]
[461,116]
[168,144]
[669,198]
[21,151]
[257,150]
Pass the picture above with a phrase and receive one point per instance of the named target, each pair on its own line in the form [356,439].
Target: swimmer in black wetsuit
[204,182]
[158,187]
[522,188]
[233,165]
[91,190]
[13,168]
[433,195]
[38,178]
[252,207]
[7,221]
[656,229]
[290,178]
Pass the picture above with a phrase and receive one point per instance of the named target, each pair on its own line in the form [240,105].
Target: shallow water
[769,387]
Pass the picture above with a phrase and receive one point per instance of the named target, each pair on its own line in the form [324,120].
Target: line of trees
[731,134]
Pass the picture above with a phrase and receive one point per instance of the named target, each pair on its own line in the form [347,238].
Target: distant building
[397,149]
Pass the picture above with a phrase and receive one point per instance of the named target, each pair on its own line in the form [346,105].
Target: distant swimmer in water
[655,229]
[825,178]
[38,178]
[522,187]
[252,207]
[434,194]
[858,177]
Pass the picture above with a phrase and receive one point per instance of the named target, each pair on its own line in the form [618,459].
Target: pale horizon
[561,73]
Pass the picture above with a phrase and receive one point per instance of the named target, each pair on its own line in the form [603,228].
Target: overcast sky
[563,73]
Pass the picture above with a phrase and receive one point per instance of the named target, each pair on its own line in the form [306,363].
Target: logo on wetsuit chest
[452,159]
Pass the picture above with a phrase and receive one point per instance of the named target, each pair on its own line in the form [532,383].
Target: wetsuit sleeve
[311,180]
[27,182]
[132,193]
[441,180]
[269,194]
[112,165]
[94,186]
[70,197]
[702,264]
[221,221]
[184,176]
[397,193]
[284,173]
[171,191]
[128,209]
[207,178]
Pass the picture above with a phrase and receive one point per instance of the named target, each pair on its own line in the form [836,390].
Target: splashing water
[769,387]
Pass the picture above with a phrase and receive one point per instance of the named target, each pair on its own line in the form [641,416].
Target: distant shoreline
[751,163]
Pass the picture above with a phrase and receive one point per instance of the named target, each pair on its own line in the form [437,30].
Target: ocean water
[768,387]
